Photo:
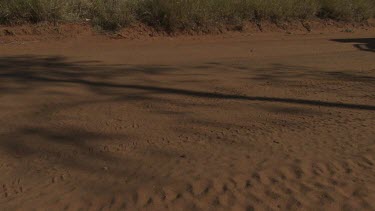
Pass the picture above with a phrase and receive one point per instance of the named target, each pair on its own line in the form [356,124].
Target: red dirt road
[266,121]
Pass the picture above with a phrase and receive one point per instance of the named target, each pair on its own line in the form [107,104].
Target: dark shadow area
[75,148]
[53,141]
[33,72]
[363,44]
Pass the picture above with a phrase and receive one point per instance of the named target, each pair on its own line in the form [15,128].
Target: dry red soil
[272,121]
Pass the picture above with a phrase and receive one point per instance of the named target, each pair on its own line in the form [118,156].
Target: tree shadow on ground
[108,84]
[363,44]
[33,72]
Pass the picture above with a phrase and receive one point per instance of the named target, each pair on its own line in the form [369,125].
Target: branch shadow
[363,44]
[32,72]
[22,74]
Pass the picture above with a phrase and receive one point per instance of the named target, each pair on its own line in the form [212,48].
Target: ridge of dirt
[47,31]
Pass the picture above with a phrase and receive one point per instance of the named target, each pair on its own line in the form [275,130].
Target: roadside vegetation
[180,15]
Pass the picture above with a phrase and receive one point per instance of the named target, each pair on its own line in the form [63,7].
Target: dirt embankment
[46,31]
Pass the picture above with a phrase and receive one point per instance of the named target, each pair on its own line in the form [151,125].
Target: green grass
[177,15]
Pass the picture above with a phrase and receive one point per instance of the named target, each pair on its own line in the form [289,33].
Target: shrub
[284,9]
[112,14]
[172,15]
[33,10]
[357,10]
[192,14]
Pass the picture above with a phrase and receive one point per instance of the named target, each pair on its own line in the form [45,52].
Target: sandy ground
[244,122]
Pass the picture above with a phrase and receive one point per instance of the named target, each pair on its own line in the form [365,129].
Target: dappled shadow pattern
[85,145]
[363,44]
[32,72]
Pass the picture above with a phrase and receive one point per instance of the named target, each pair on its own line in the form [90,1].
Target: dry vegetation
[172,15]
